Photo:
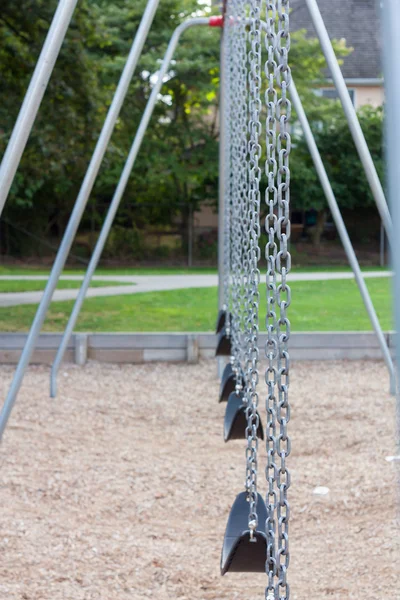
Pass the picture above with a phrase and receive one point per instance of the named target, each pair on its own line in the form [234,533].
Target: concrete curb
[181,347]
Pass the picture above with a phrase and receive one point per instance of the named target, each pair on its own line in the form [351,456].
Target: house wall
[363,94]
[206,217]
[373,95]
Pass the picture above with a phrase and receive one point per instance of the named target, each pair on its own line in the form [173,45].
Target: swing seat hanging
[221,320]
[223,344]
[228,372]
[240,553]
[228,383]
[226,388]
[235,421]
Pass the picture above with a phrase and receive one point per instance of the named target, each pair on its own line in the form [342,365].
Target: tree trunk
[92,234]
[190,237]
[319,228]
[185,231]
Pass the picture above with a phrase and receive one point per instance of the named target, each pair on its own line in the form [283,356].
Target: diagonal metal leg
[344,236]
[118,196]
[351,116]
[391,27]
[221,193]
[34,95]
[340,225]
[79,207]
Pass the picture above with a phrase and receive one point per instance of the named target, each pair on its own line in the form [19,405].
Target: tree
[177,167]
[178,161]
[56,155]
[341,161]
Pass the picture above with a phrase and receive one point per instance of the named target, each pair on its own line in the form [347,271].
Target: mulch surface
[120,488]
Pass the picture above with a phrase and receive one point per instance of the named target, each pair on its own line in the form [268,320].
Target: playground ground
[120,488]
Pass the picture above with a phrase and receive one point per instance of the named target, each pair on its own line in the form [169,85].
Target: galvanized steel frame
[34,95]
[79,207]
[351,116]
[119,191]
[390,11]
[88,184]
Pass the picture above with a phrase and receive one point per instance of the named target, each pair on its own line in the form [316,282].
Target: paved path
[148,283]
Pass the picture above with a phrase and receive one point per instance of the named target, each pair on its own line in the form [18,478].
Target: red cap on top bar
[217,21]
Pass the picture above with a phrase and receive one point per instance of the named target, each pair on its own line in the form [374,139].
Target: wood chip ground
[120,488]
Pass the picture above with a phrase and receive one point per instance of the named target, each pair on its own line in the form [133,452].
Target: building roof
[357,21]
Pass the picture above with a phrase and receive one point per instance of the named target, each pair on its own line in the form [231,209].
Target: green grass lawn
[316,306]
[33,286]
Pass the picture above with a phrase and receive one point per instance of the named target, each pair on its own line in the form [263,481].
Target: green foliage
[177,166]
[341,161]
[124,242]
[207,245]
[178,158]
[56,156]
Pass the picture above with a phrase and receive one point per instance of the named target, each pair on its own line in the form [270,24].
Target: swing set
[257,93]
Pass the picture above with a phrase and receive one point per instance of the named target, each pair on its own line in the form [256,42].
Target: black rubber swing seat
[235,421]
[221,320]
[228,383]
[240,554]
[223,344]
[228,372]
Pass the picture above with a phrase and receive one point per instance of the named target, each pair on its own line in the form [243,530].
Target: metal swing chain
[271,251]
[226,174]
[283,266]
[230,21]
[253,278]
[278,298]
[237,87]
[243,189]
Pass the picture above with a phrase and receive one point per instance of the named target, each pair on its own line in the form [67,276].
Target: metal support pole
[391,46]
[351,115]
[79,207]
[341,227]
[118,195]
[33,97]
[221,192]
[221,177]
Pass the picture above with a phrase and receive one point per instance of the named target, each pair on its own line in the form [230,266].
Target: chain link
[225,115]
[237,81]
[277,225]
[244,83]
[241,74]
[241,253]
[253,279]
